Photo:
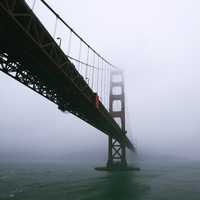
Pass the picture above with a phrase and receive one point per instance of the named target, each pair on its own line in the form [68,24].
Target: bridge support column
[117,151]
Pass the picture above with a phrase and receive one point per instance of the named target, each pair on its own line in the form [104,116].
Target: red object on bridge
[97,101]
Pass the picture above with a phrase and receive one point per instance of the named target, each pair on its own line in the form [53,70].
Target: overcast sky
[157,44]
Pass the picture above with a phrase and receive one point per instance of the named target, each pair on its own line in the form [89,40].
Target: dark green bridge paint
[30,55]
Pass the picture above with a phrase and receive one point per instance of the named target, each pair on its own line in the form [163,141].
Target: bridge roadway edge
[101,116]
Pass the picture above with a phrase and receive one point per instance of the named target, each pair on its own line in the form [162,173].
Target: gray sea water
[158,179]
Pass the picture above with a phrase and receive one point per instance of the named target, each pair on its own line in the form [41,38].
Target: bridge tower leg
[116,150]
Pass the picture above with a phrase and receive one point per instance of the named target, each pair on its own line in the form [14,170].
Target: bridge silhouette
[48,56]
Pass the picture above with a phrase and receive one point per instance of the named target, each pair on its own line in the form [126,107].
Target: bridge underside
[30,55]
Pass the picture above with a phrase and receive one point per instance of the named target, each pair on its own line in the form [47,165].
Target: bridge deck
[29,54]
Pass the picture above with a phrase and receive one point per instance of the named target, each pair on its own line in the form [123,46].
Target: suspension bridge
[54,61]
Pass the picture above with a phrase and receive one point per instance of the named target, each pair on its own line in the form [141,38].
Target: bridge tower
[117,151]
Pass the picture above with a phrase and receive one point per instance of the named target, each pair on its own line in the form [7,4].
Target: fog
[157,44]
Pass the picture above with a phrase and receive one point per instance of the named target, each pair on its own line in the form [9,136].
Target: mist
[157,44]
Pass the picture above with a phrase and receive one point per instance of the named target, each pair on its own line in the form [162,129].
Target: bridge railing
[93,67]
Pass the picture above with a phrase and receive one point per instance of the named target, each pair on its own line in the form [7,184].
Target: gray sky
[157,44]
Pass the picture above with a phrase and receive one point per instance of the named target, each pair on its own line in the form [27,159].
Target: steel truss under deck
[30,55]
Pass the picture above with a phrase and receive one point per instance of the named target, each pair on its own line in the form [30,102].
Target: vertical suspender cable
[109,87]
[69,42]
[86,69]
[93,70]
[105,74]
[103,87]
[102,81]
[79,57]
[105,83]
[55,27]
[33,5]
[98,76]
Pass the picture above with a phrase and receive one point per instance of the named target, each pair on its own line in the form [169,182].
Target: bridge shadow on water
[48,182]
[115,186]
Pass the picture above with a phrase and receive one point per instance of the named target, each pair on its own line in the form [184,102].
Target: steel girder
[30,55]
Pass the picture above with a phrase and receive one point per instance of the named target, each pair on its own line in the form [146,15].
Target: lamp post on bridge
[60,41]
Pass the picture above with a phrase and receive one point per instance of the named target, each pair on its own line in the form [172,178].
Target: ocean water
[158,179]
